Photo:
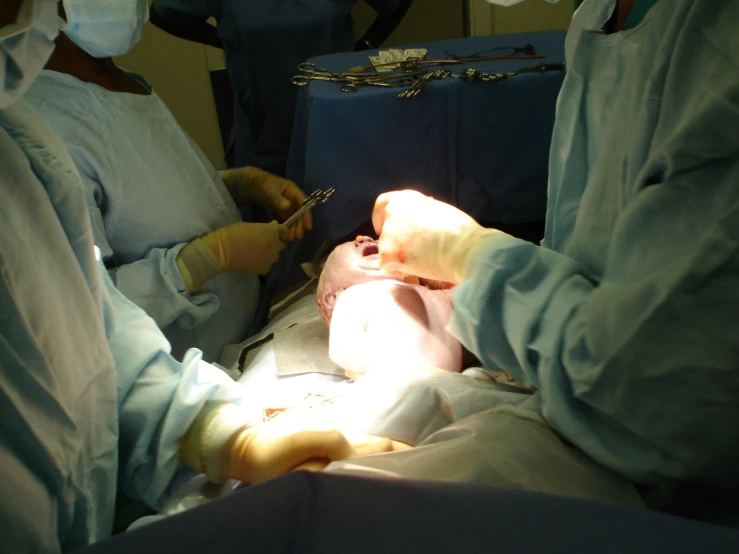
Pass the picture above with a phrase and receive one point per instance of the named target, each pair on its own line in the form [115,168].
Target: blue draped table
[481,146]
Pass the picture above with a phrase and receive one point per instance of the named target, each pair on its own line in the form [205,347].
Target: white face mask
[25,47]
[513,2]
[105,28]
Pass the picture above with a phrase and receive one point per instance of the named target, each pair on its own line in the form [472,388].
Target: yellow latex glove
[360,448]
[239,247]
[424,237]
[270,191]
[264,452]
[247,247]
[222,444]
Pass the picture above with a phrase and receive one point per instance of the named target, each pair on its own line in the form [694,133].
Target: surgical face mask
[513,2]
[25,47]
[105,28]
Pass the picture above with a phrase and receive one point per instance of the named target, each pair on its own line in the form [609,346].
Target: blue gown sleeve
[158,397]
[154,282]
[640,369]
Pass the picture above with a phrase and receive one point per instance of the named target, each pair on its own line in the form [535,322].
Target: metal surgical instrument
[350,81]
[389,80]
[318,196]
[470,74]
[309,72]
[420,64]
[423,81]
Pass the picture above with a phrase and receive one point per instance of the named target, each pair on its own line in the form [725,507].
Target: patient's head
[354,263]
[351,263]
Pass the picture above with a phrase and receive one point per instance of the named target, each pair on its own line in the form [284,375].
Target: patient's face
[351,263]
[383,321]
[354,263]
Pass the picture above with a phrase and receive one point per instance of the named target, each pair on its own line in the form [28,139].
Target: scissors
[318,196]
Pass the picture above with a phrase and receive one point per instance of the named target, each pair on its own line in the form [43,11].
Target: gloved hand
[240,247]
[247,247]
[424,237]
[360,448]
[267,451]
[222,444]
[270,191]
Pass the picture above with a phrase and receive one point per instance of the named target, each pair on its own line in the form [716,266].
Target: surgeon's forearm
[603,356]
[202,33]
[383,27]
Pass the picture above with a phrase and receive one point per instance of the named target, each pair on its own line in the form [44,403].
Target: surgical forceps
[418,65]
[351,81]
[423,81]
[352,85]
[309,72]
[318,196]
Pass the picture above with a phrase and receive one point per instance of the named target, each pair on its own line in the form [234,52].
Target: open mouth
[370,249]
[370,256]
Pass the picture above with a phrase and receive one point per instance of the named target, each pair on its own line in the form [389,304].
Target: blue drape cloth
[481,146]
[320,513]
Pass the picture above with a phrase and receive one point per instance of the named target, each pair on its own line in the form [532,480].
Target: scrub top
[150,190]
[264,42]
[91,401]
[625,319]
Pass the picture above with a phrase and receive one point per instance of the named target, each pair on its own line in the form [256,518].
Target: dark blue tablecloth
[481,146]
[319,513]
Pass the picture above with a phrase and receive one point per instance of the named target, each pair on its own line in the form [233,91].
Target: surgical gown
[89,397]
[626,317]
[264,42]
[150,190]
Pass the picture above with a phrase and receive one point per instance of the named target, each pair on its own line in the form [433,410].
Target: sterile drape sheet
[320,513]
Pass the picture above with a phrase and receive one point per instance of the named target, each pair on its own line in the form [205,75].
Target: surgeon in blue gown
[264,41]
[91,402]
[167,223]
[625,318]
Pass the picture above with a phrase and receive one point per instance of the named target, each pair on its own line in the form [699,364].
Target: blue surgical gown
[90,399]
[150,190]
[626,318]
[264,41]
